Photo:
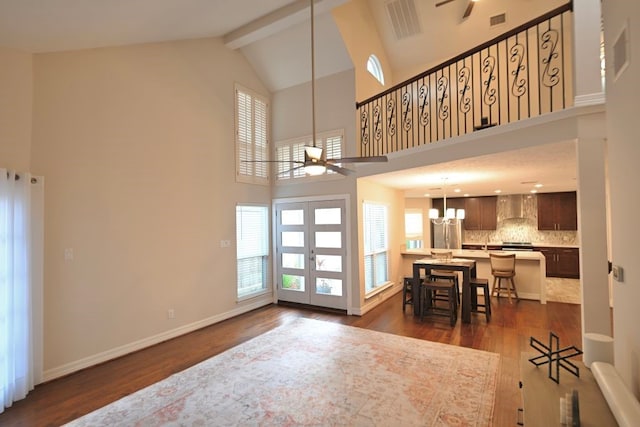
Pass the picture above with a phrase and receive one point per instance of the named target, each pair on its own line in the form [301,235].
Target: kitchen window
[376,249]
[413,228]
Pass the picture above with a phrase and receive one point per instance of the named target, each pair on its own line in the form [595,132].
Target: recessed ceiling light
[538,185]
[457,190]
[466,194]
[534,191]
[427,195]
[498,191]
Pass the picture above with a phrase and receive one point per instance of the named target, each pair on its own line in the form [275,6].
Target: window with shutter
[252,249]
[375,226]
[293,150]
[252,137]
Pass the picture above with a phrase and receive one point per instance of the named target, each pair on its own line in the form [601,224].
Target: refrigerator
[447,235]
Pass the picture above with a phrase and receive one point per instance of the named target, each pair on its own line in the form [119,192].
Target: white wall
[137,147]
[16,93]
[623,154]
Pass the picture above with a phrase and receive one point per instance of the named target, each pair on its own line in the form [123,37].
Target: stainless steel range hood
[514,206]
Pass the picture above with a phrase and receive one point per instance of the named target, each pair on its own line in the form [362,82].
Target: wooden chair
[407,292]
[450,275]
[503,266]
[428,291]
[476,283]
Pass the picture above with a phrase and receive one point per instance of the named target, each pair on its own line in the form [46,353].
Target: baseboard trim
[105,356]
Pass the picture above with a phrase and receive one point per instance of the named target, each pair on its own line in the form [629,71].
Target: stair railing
[523,73]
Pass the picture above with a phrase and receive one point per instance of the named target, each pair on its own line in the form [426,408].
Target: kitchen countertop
[477,253]
[534,244]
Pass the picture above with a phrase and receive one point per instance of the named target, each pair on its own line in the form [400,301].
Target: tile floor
[563,290]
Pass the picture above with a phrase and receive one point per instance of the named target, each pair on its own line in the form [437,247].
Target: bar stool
[503,266]
[428,290]
[407,292]
[445,274]
[476,283]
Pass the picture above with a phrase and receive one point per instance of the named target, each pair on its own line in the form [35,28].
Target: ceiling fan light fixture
[314,169]
[313,152]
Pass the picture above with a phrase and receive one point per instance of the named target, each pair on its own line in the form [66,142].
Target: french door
[311,253]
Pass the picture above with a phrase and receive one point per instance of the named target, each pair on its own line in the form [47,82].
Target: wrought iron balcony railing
[523,73]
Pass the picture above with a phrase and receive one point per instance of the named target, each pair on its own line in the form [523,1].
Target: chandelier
[450,214]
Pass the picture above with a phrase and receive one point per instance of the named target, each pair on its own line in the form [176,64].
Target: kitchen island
[530,268]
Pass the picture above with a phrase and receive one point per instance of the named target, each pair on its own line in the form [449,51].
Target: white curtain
[16,338]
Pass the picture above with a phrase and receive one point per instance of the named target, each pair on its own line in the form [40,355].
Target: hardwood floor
[64,399]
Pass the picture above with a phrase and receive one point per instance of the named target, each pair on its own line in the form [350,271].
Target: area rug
[316,373]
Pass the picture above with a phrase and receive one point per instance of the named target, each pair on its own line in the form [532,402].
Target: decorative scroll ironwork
[519,81]
[488,70]
[464,76]
[424,105]
[549,44]
[406,111]
[364,127]
[391,116]
[443,94]
[515,76]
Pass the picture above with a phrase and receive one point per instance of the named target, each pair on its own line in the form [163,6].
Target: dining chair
[450,275]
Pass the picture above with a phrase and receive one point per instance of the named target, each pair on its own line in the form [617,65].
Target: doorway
[311,255]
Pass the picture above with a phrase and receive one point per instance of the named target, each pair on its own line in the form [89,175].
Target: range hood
[514,206]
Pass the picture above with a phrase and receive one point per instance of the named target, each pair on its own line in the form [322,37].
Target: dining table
[422,268]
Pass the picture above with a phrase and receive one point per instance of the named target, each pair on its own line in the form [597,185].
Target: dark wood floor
[65,399]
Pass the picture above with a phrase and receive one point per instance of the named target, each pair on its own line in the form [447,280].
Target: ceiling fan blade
[273,161]
[340,170]
[363,159]
[469,9]
[442,3]
[291,170]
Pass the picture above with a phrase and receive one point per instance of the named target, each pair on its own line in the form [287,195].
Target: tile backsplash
[520,229]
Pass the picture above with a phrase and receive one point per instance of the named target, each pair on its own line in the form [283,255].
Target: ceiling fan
[315,162]
[467,11]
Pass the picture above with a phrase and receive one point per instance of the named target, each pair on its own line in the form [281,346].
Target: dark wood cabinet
[479,247]
[480,213]
[557,211]
[455,202]
[562,262]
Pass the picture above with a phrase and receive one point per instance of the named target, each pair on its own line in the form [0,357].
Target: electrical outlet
[225,243]
[618,273]
[171,314]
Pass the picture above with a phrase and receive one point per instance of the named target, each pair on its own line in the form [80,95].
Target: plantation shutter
[252,137]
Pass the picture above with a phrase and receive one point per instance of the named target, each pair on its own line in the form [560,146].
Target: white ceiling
[276,41]
[511,172]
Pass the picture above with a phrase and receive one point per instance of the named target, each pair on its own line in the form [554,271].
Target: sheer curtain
[16,338]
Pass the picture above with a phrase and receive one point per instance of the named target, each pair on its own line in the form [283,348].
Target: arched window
[374,67]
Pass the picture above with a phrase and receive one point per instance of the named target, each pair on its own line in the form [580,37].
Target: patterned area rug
[317,373]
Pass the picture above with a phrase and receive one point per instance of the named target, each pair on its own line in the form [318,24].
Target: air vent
[404,18]
[498,19]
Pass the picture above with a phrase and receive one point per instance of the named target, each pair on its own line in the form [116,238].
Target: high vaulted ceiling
[274,37]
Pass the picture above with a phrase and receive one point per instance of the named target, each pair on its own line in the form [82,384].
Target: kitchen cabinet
[455,202]
[561,262]
[480,213]
[557,211]
[480,247]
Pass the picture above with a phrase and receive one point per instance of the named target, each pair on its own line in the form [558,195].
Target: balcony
[524,73]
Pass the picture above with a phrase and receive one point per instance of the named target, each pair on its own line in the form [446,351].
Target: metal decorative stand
[555,356]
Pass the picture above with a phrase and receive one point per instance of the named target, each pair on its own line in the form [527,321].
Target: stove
[517,246]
